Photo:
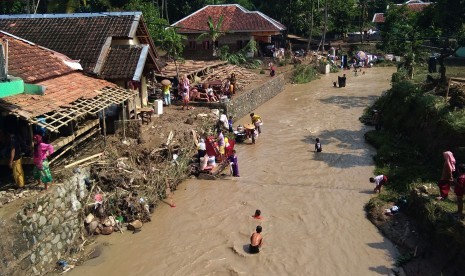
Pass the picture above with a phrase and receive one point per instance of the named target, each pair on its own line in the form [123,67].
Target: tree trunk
[362,22]
[311,29]
[214,48]
[325,27]
[166,11]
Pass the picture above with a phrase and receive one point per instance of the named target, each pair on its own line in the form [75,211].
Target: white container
[324,69]
[158,107]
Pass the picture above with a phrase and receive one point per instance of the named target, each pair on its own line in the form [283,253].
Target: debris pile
[243,77]
[133,178]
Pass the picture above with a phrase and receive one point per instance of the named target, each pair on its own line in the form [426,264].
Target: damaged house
[115,46]
[45,92]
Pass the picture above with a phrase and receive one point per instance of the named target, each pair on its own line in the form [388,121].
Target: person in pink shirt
[41,169]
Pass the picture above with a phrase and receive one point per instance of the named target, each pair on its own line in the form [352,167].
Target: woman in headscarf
[41,169]
[447,174]
[185,91]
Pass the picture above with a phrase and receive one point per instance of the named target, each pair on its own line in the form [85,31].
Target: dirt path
[314,222]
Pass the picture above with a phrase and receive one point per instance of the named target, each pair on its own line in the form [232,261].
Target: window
[192,44]
[206,45]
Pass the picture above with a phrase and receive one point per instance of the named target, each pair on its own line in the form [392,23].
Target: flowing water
[312,203]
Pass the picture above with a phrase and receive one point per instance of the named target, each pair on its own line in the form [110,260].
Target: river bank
[420,121]
[312,205]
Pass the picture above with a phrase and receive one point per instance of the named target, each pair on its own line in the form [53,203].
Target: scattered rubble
[11,195]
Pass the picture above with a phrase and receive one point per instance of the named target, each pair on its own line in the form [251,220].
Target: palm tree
[214,32]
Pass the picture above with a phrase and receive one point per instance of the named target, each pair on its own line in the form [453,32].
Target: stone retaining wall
[48,229]
[246,102]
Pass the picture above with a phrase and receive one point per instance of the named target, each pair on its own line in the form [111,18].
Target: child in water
[318,147]
[257,214]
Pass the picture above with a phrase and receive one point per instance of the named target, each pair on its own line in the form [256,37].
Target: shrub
[304,73]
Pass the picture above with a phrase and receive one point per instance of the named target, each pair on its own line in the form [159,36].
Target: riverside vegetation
[420,122]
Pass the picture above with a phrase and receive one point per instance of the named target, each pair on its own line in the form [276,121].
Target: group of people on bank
[222,147]
[204,92]
[14,151]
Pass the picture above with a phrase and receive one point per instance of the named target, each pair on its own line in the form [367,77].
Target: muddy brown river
[314,222]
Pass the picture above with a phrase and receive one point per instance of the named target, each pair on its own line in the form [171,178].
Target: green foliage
[333,68]
[400,75]
[240,57]
[304,73]
[403,259]
[214,32]
[172,42]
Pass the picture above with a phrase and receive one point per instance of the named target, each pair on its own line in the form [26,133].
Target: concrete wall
[49,229]
[246,102]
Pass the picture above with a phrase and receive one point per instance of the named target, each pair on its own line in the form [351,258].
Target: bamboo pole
[104,129]
[447,91]
[83,160]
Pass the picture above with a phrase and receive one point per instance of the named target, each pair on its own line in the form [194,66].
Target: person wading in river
[256,241]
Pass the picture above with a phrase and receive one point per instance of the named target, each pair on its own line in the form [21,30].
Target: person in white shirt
[379,181]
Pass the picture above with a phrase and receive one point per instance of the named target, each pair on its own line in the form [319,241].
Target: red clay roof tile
[63,84]
[235,19]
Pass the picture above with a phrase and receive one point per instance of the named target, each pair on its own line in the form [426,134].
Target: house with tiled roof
[115,46]
[413,5]
[239,24]
[52,94]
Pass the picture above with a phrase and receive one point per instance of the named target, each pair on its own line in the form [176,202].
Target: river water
[312,203]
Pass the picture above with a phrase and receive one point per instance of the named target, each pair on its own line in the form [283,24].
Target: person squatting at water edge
[460,189]
[446,177]
[256,241]
[41,169]
[379,181]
